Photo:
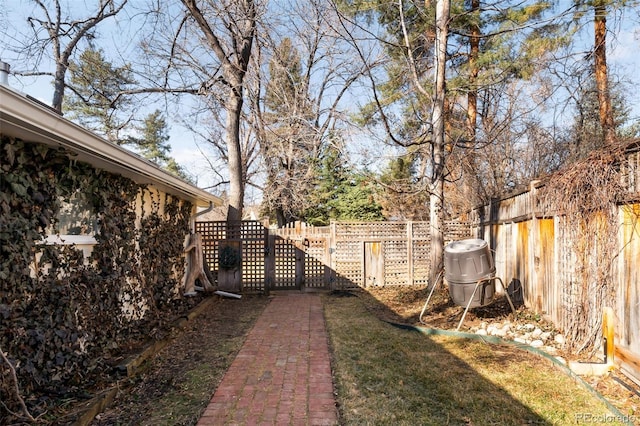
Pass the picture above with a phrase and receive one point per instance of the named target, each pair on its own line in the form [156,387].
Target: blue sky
[622,55]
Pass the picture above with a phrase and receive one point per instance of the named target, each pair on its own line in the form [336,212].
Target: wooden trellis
[253,238]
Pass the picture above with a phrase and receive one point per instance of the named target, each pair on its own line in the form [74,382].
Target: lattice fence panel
[421,248]
[456,230]
[314,263]
[285,267]
[421,231]
[348,264]
[211,233]
[253,235]
[400,240]
[253,265]
[370,230]
[396,265]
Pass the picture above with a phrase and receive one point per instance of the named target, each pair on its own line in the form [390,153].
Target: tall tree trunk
[235,64]
[436,212]
[59,85]
[601,71]
[468,165]
[234,153]
[474,51]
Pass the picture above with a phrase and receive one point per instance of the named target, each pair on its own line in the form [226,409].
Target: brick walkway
[282,374]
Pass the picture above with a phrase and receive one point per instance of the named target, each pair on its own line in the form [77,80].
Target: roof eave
[25,119]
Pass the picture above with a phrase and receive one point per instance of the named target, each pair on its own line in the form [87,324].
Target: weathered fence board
[628,290]
[533,249]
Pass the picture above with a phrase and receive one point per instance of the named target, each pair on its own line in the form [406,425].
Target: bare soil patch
[404,304]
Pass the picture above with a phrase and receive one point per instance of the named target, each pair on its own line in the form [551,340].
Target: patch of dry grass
[387,375]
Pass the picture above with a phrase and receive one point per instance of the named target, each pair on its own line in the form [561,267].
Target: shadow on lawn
[388,374]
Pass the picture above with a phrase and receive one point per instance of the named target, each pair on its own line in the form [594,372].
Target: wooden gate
[298,263]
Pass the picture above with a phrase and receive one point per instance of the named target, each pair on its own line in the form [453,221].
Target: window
[76,217]
[77,225]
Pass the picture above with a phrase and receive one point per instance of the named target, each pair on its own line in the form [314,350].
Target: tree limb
[25,410]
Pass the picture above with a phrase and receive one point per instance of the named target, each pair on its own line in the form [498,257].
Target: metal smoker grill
[470,273]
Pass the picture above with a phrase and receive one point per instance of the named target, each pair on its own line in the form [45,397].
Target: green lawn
[386,375]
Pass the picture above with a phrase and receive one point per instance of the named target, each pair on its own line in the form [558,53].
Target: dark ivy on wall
[61,317]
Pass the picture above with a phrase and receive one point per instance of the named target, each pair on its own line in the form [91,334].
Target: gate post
[270,263]
[410,260]
[299,263]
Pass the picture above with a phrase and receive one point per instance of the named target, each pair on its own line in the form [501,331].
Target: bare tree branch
[14,376]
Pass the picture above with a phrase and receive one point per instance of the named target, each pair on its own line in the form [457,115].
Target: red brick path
[282,375]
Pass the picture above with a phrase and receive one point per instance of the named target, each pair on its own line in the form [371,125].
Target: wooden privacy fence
[341,255]
[534,252]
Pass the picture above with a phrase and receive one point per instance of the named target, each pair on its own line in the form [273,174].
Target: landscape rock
[545,336]
[500,332]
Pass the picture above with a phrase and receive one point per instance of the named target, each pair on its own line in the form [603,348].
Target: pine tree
[153,143]
[331,177]
[357,201]
[341,193]
[95,102]
[400,195]
[586,134]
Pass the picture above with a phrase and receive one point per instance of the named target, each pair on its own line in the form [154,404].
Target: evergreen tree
[356,200]
[153,143]
[341,193]
[331,177]
[586,134]
[95,102]
[400,195]
[489,48]
[58,29]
